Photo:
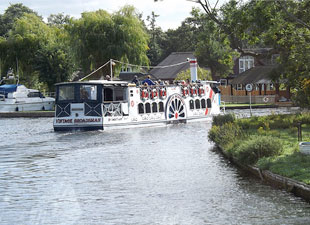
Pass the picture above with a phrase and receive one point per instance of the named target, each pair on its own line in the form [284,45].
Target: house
[166,72]
[256,67]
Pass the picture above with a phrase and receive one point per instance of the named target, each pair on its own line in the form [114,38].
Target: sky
[171,12]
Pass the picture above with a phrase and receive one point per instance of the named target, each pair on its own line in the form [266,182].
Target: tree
[156,34]
[40,51]
[11,14]
[99,36]
[203,74]
[58,20]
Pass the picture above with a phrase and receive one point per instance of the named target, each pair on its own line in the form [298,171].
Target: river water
[162,175]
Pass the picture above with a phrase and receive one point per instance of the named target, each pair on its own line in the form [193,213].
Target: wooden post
[299,131]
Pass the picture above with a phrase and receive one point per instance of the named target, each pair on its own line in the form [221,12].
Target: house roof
[169,73]
[255,75]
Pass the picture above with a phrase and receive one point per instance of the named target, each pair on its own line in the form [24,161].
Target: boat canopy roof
[8,88]
[104,82]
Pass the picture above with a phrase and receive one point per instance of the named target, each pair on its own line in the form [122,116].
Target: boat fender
[132,103]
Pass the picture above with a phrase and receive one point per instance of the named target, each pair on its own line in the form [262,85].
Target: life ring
[144,94]
[201,91]
[265,99]
[193,91]
[132,103]
[163,93]
[185,91]
[154,94]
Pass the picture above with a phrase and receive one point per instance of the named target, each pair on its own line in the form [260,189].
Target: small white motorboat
[16,97]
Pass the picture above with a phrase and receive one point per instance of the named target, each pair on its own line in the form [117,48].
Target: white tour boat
[102,104]
[16,97]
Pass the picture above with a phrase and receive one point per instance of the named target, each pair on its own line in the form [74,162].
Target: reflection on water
[162,175]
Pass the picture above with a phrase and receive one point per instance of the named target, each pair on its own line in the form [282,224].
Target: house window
[245,63]
[126,69]
[239,87]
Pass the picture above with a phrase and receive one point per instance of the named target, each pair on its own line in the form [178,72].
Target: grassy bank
[229,105]
[268,142]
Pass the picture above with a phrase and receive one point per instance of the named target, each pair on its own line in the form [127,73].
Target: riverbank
[267,147]
[255,106]
[28,114]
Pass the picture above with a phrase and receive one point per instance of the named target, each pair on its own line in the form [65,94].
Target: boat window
[154,107]
[209,103]
[108,94]
[66,92]
[34,95]
[119,94]
[161,107]
[203,103]
[191,104]
[140,108]
[88,92]
[147,108]
[197,103]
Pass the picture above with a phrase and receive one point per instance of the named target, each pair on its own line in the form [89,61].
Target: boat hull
[32,106]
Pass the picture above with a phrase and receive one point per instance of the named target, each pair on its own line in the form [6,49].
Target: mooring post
[299,131]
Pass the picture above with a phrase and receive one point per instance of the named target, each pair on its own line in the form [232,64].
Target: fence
[258,99]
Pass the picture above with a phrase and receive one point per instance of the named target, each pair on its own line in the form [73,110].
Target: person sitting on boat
[135,80]
[107,77]
[148,81]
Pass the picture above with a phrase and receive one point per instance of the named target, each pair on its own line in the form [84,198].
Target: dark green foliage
[256,147]
[219,120]
[11,14]
[274,121]
[225,134]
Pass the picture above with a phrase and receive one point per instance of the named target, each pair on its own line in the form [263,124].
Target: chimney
[193,67]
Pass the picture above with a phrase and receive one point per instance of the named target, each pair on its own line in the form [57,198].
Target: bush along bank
[268,147]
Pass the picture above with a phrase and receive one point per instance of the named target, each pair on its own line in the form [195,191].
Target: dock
[29,114]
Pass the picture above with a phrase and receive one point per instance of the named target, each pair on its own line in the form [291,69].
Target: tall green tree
[156,35]
[11,14]
[40,51]
[99,36]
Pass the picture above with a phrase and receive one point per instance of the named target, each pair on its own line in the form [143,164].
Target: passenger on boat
[161,82]
[136,80]
[107,77]
[84,94]
[148,81]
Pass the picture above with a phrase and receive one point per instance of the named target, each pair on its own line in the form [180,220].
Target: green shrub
[219,120]
[256,147]
[225,134]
